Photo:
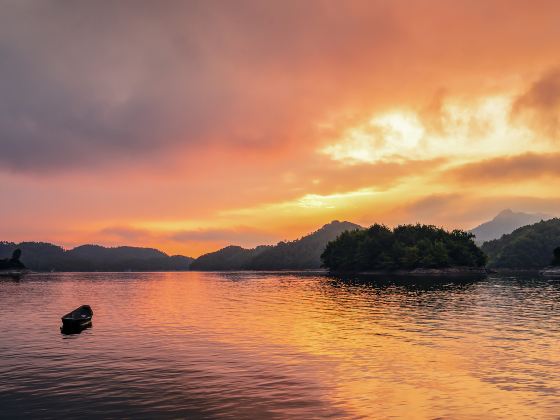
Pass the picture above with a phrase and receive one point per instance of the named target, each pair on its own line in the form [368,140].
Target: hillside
[228,258]
[529,247]
[505,222]
[300,254]
[41,256]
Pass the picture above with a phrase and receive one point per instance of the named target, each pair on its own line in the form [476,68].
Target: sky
[191,125]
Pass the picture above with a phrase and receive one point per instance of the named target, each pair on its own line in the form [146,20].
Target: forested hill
[529,247]
[300,254]
[229,258]
[41,256]
[406,247]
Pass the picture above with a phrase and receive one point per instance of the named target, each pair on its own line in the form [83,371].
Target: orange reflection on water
[246,345]
[383,352]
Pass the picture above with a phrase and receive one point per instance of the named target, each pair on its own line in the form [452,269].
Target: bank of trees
[405,247]
[529,247]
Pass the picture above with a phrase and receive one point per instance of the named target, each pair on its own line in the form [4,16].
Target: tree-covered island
[404,248]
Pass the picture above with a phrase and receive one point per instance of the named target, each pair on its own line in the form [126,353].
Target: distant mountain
[301,254]
[41,256]
[505,222]
[529,247]
[229,258]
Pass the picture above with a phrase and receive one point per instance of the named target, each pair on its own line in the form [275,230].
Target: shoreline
[422,272]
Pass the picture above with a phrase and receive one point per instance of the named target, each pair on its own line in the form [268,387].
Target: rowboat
[79,318]
[551,272]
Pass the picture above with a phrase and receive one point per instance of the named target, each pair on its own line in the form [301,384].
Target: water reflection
[255,345]
[65,330]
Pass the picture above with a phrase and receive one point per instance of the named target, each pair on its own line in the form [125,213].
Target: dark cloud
[86,83]
[523,167]
[90,83]
[540,104]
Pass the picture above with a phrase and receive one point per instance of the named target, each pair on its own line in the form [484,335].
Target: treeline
[405,247]
[41,256]
[529,247]
[300,254]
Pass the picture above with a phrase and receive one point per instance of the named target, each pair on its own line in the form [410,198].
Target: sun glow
[384,136]
[464,131]
[331,201]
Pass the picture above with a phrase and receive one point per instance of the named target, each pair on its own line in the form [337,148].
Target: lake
[270,345]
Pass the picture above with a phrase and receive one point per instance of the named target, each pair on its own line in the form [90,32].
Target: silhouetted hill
[301,254]
[40,256]
[505,222]
[527,247]
[228,258]
[97,252]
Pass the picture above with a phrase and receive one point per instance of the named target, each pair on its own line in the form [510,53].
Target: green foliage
[529,247]
[405,247]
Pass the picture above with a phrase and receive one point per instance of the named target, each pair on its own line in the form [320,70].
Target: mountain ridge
[505,222]
[300,254]
[44,256]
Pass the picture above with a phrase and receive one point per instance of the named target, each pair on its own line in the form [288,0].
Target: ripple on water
[250,345]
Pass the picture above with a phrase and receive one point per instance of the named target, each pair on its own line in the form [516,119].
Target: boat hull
[78,319]
[76,323]
[553,273]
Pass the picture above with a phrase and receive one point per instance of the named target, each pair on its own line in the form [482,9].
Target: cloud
[466,211]
[89,84]
[83,85]
[240,235]
[433,205]
[525,167]
[452,128]
[540,104]
[126,233]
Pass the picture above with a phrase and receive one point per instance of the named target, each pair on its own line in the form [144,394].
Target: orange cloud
[274,116]
[540,105]
[527,167]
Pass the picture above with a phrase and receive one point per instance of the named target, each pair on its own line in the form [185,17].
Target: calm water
[279,346]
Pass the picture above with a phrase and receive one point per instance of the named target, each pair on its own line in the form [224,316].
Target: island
[407,249]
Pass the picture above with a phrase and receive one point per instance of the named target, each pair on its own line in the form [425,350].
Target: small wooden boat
[77,319]
[551,272]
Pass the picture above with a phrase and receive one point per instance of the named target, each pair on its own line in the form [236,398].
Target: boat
[551,272]
[79,318]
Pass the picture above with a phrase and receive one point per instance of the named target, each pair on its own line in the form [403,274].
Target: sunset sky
[191,125]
